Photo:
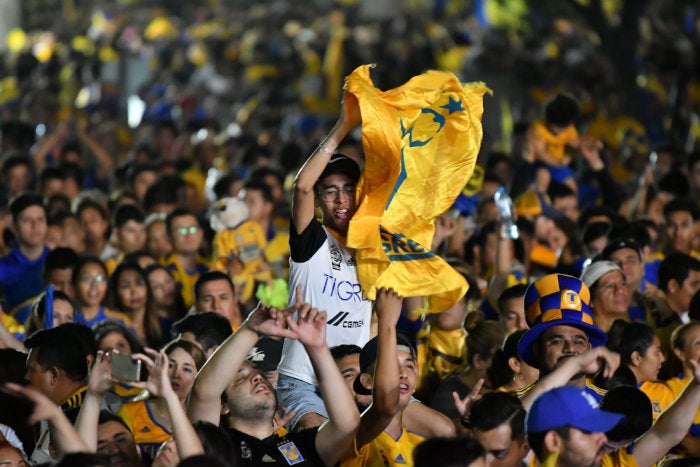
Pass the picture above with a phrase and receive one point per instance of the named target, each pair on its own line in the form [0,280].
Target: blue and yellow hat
[556,300]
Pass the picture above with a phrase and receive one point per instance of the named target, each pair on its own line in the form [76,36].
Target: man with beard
[252,401]
[561,326]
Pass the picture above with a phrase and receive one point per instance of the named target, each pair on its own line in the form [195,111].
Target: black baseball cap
[620,244]
[368,355]
[341,163]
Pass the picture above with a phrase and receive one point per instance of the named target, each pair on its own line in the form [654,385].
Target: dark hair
[163,191]
[126,213]
[626,338]
[89,203]
[496,408]
[676,266]
[343,350]
[193,349]
[536,440]
[447,452]
[209,328]
[84,261]
[561,111]
[260,173]
[179,212]
[51,172]
[559,190]
[514,291]
[211,276]
[680,205]
[180,308]
[634,405]
[84,336]
[500,373]
[135,256]
[216,443]
[52,350]
[262,187]
[59,258]
[15,161]
[154,333]
[134,170]
[107,327]
[37,312]
[676,183]
[107,416]
[222,187]
[483,336]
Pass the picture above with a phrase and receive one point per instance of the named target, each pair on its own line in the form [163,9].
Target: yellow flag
[420,141]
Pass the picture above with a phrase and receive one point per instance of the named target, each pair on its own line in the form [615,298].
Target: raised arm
[216,374]
[63,435]
[336,434]
[589,363]
[303,202]
[158,384]
[671,426]
[99,383]
[385,392]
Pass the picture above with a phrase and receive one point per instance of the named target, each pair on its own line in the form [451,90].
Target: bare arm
[590,362]
[420,418]
[504,259]
[158,384]
[671,426]
[216,374]
[336,434]
[63,435]
[385,392]
[105,163]
[99,383]
[303,202]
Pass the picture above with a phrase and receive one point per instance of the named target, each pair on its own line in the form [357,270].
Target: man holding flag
[440,123]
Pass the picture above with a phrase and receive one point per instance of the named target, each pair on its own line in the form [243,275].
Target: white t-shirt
[327,274]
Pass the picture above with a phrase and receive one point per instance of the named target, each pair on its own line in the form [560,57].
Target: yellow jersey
[148,433]
[384,451]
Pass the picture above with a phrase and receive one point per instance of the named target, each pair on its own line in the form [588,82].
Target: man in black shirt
[252,401]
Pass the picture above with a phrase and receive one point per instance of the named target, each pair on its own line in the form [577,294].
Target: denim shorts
[298,395]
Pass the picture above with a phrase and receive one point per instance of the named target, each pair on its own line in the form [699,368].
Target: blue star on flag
[453,106]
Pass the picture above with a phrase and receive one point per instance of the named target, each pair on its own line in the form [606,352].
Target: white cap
[596,270]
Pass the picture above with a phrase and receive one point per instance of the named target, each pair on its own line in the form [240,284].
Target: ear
[552,441]
[55,374]
[635,358]
[514,365]
[672,286]
[679,354]
[366,380]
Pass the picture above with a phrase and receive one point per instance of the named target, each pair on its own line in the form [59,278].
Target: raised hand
[100,378]
[464,406]
[597,359]
[42,407]
[280,419]
[388,305]
[270,321]
[310,327]
[157,364]
[350,115]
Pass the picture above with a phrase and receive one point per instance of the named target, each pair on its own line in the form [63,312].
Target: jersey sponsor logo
[336,257]
[339,320]
[342,290]
[291,453]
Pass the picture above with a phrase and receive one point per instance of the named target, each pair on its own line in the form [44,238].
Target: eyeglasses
[332,193]
[193,229]
[93,279]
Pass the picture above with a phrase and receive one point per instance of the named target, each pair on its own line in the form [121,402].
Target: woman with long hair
[166,299]
[508,372]
[89,280]
[129,292]
[184,361]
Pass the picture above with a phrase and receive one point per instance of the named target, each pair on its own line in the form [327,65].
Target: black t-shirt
[297,448]
[303,246]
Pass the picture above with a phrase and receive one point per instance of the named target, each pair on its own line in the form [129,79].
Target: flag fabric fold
[421,141]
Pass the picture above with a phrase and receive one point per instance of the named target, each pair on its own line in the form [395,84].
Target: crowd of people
[177,291]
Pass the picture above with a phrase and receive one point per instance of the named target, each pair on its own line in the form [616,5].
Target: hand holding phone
[125,368]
